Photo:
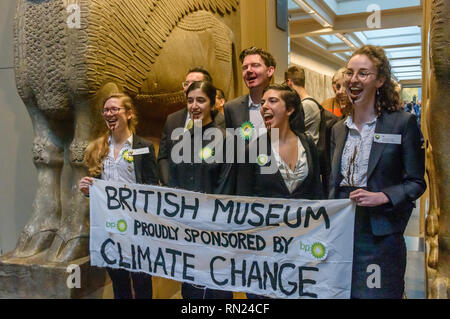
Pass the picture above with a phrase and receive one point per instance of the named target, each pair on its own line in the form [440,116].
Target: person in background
[295,79]
[378,162]
[220,101]
[110,157]
[339,103]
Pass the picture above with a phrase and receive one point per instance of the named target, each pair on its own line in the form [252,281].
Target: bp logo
[122,225]
[262,159]
[318,251]
[246,131]
[118,227]
[206,153]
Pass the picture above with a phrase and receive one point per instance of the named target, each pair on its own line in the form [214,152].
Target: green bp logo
[206,153]
[262,159]
[246,130]
[122,225]
[318,250]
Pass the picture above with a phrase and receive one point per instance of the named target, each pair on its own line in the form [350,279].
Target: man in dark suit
[258,67]
[178,119]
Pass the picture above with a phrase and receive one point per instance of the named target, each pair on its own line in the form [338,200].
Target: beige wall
[318,71]
[18,175]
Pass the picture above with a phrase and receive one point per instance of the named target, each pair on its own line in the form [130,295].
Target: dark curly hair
[386,98]
[292,100]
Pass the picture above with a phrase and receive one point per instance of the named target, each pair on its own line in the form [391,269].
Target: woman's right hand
[84,183]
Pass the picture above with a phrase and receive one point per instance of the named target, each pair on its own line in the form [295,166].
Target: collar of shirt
[129,141]
[352,126]
[252,105]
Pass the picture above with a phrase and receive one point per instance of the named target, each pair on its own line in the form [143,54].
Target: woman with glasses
[110,157]
[337,104]
[377,162]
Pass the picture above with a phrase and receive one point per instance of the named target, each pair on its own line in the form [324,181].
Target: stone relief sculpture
[142,47]
[437,136]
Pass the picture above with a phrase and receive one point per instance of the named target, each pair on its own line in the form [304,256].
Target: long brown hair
[98,149]
[386,98]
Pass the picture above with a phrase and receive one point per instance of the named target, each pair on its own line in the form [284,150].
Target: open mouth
[267,118]
[355,93]
[196,115]
[251,79]
[112,124]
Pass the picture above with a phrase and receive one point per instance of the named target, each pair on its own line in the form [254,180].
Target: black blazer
[236,111]
[175,120]
[202,175]
[251,182]
[145,166]
[394,169]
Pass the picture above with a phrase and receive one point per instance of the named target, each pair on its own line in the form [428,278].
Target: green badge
[127,155]
[318,250]
[262,159]
[122,225]
[377,137]
[247,130]
[206,153]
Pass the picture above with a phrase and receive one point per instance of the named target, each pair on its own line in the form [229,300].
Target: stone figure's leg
[48,159]
[72,239]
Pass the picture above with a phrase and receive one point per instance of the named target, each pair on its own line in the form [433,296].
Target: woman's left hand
[368,199]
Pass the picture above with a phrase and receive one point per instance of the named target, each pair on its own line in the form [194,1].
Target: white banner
[281,248]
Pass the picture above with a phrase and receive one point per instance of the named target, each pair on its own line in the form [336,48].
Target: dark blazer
[253,183]
[236,111]
[145,167]
[205,176]
[175,120]
[394,169]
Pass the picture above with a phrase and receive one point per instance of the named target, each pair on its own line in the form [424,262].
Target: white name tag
[140,151]
[388,138]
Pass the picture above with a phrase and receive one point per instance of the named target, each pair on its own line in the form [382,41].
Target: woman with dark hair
[377,162]
[110,157]
[204,169]
[286,162]
[289,166]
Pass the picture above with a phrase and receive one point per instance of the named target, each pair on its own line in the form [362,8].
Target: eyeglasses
[185,84]
[112,110]
[361,75]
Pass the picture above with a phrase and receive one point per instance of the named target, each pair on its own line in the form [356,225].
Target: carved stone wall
[436,129]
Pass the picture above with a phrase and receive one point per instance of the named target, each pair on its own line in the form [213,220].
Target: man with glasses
[181,118]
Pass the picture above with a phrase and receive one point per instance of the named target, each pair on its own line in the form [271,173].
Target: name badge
[387,138]
[140,151]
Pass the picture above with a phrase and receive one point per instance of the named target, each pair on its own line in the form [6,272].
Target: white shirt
[355,156]
[119,169]
[293,178]
[255,117]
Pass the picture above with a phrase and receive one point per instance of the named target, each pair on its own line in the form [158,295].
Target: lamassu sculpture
[70,53]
